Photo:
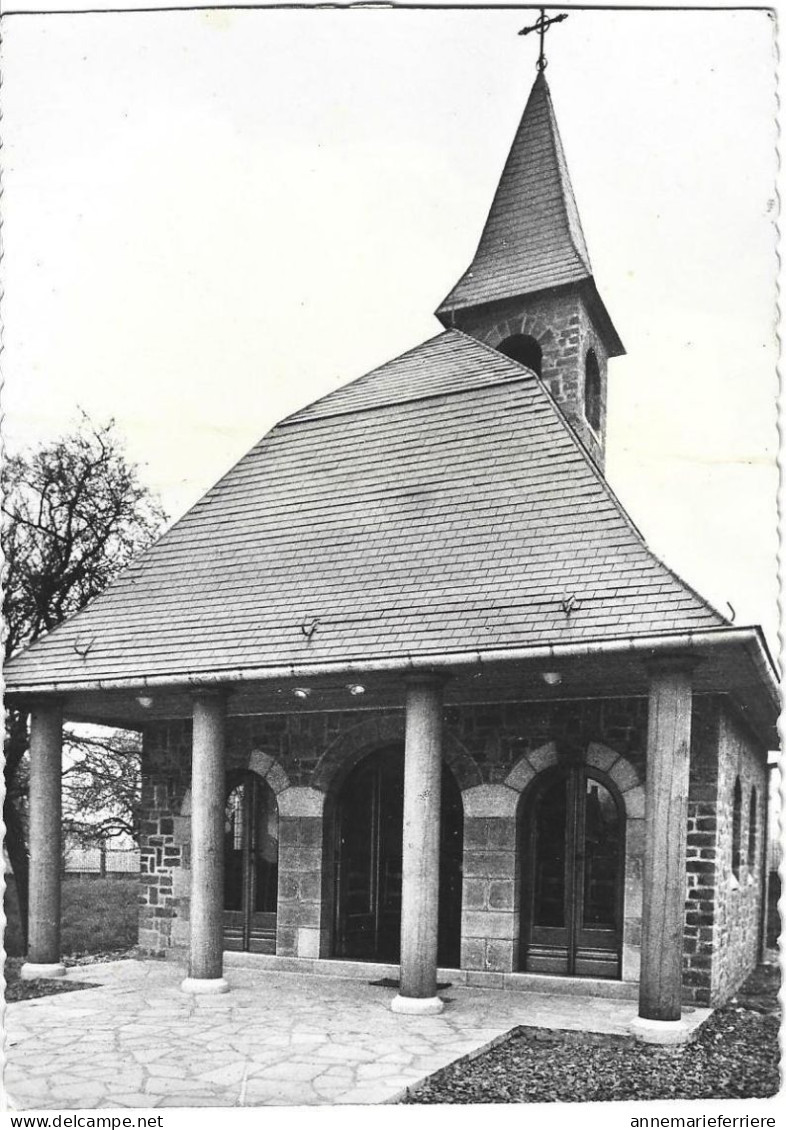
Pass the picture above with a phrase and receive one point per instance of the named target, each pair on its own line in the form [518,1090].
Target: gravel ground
[18,990]
[735,1055]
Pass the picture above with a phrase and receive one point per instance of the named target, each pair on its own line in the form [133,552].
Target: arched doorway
[572,848]
[369,820]
[250,864]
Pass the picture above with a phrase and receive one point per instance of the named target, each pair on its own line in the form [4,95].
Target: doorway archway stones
[489,914]
[266,767]
[293,807]
[380,730]
[350,747]
[490,905]
[300,828]
[491,875]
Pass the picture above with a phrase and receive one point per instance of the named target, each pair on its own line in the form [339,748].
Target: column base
[417,1006]
[662,1031]
[33,970]
[202,986]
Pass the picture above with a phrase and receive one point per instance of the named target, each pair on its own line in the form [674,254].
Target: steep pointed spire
[533,238]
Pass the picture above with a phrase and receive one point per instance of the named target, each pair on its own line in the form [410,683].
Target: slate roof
[533,237]
[440,503]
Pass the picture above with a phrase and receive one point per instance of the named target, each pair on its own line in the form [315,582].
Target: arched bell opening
[592,391]
[572,852]
[368,822]
[250,864]
[525,349]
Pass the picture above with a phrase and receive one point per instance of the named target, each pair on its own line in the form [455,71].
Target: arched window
[752,832]
[250,864]
[572,848]
[592,391]
[524,349]
[736,829]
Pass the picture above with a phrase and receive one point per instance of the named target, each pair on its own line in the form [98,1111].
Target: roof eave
[452,312]
[751,638]
[602,318]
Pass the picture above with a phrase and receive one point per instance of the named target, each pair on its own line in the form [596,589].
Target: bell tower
[529,291]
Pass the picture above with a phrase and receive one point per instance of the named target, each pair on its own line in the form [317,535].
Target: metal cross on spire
[542,24]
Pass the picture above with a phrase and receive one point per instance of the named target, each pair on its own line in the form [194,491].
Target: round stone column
[205,967]
[420,864]
[46,751]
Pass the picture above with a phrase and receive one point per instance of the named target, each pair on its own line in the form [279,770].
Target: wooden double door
[573,856]
[250,865]
[369,831]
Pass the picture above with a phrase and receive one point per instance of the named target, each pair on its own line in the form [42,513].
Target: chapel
[417,700]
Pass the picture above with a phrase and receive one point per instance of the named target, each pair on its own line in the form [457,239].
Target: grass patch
[98,915]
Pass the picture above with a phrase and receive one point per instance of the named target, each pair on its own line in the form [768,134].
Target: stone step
[470,978]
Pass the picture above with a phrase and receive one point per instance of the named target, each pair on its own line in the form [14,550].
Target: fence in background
[102,861]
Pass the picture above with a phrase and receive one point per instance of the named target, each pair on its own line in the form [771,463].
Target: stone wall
[301,931]
[303,757]
[164,845]
[496,736]
[494,751]
[722,913]
[738,898]
[561,325]
[700,911]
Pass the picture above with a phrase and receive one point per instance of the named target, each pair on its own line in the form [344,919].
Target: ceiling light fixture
[356,688]
[551,678]
[301,692]
[145,700]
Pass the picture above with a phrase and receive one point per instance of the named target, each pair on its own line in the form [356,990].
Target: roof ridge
[490,349]
[607,487]
[414,399]
[300,417]
[291,418]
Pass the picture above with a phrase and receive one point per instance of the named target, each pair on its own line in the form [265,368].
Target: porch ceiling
[737,665]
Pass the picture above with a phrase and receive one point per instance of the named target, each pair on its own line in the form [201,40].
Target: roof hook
[84,651]
[570,604]
[308,627]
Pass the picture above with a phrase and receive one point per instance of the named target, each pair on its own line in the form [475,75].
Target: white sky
[210,219]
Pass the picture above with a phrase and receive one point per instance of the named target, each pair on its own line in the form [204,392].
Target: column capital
[218,692]
[671,663]
[42,701]
[426,678]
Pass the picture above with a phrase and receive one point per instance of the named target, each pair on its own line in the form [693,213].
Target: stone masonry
[722,914]
[560,323]
[738,923]
[494,751]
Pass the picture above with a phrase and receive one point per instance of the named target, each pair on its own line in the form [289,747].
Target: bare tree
[102,783]
[74,514]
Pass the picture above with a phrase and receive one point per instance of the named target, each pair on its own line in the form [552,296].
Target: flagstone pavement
[275,1039]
